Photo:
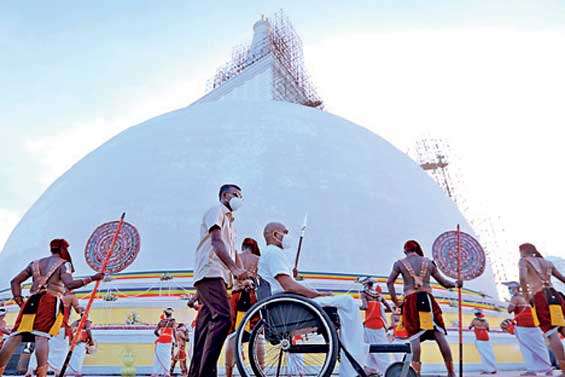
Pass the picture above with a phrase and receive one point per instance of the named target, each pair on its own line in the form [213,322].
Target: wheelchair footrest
[390,348]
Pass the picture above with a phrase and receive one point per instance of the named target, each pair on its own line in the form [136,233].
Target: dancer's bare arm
[76,305]
[386,304]
[16,284]
[71,283]
[555,272]
[511,305]
[364,304]
[523,271]
[390,284]
[444,282]
[4,329]
[159,325]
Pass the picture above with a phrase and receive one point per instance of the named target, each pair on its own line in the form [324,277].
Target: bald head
[274,233]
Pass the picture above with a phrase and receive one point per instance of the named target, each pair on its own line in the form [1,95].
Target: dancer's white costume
[488,360]
[375,333]
[77,360]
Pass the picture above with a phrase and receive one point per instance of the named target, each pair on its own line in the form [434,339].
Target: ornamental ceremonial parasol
[459,256]
[111,248]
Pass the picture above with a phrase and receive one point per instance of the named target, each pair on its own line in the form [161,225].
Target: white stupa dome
[363,197]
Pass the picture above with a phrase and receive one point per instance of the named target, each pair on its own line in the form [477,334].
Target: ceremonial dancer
[549,304]
[3,326]
[179,354]
[397,331]
[482,342]
[215,260]
[275,269]
[84,346]
[242,298]
[59,345]
[193,304]
[166,338]
[374,305]
[41,315]
[528,334]
[421,314]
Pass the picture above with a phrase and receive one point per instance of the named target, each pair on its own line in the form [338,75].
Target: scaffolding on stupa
[291,81]
[433,155]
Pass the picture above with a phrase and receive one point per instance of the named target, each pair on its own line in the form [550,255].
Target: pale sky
[487,76]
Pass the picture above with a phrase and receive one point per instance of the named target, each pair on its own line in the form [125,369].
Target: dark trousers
[212,327]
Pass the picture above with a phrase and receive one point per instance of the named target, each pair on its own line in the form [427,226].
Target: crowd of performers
[538,308]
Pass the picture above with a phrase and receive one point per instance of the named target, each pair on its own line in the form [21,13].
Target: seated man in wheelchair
[275,269]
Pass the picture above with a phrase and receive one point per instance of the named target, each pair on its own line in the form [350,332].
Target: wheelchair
[290,335]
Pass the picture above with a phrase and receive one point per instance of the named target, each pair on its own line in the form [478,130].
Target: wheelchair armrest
[390,348]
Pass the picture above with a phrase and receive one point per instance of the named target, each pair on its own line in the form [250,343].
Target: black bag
[244,302]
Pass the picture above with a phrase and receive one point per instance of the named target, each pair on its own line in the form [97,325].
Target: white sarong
[488,361]
[351,331]
[162,360]
[77,360]
[377,362]
[533,348]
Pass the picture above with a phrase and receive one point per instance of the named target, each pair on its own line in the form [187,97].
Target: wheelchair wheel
[395,370]
[294,337]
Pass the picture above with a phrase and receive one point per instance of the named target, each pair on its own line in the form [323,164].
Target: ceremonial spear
[84,317]
[460,300]
[302,231]
[459,256]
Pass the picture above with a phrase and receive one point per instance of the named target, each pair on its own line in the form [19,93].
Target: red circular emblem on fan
[125,251]
[473,259]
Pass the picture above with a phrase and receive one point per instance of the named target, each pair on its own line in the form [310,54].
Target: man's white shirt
[272,263]
[207,264]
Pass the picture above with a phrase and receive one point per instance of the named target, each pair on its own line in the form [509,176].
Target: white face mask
[287,242]
[236,203]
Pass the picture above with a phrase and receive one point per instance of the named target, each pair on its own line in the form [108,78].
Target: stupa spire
[271,67]
[260,45]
